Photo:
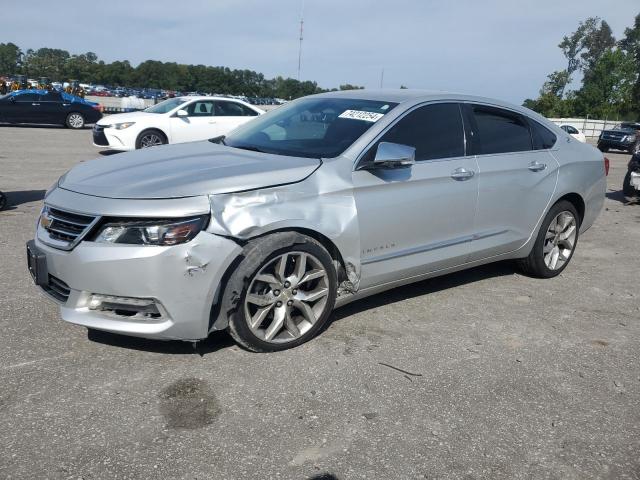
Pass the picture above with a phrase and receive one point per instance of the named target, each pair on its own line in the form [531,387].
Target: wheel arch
[218,319]
[149,129]
[576,200]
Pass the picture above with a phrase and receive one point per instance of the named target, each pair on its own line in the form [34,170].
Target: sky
[495,48]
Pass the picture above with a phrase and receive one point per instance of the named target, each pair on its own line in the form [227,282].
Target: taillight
[98,107]
[606,166]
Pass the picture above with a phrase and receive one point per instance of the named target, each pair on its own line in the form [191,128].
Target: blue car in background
[48,107]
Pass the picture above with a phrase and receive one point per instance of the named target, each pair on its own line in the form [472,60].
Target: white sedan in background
[176,120]
[574,132]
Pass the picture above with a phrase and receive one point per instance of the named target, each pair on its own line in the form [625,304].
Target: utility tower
[301,38]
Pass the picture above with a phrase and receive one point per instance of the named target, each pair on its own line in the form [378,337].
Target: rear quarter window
[543,138]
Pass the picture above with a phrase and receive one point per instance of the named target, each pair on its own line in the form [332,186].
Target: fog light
[140,308]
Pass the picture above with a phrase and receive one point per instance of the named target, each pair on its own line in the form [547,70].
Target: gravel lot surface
[480,374]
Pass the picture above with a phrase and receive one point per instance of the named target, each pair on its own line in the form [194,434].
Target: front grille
[57,289]
[612,136]
[99,138]
[63,226]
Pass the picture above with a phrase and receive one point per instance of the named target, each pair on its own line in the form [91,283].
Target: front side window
[27,97]
[436,131]
[201,108]
[501,131]
[315,127]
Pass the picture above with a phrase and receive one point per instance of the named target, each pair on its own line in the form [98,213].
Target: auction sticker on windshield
[361,115]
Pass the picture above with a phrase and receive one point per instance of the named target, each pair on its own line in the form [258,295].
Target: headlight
[120,126]
[151,232]
[629,139]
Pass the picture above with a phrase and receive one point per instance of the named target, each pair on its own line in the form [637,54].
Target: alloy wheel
[150,140]
[76,120]
[560,240]
[287,297]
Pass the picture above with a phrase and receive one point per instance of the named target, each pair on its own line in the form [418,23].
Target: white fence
[589,126]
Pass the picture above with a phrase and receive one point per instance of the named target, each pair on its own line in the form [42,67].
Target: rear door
[51,109]
[230,115]
[199,125]
[516,178]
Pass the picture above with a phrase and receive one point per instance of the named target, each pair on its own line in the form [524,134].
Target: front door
[516,179]
[51,108]
[200,124]
[418,219]
[229,115]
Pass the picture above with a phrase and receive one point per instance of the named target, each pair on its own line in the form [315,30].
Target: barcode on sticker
[361,115]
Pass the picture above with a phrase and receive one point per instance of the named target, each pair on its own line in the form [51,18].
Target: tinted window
[27,97]
[233,109]
[436,131]
[543,138]
[501,131]
[51,97]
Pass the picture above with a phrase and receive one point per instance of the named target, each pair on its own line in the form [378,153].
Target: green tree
[631,45]
[46,62]
[10,58]
[608,87]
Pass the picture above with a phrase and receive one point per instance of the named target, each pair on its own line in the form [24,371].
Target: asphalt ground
[481,374]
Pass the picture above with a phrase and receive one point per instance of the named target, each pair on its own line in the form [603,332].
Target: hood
[624,131]
[184,170]
[125,117]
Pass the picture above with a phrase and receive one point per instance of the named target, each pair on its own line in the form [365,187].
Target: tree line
[609,70]
[60,65]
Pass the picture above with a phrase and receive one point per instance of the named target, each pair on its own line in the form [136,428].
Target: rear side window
[233,109]
[501,131]
[543,138]
[436,131]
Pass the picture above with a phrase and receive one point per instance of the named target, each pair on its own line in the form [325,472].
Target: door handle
[212,122]
[35,104]
[462,174]
[536,166]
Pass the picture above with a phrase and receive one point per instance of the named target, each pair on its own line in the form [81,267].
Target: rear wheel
[75,120]
[3,200]
[282,292]
[555,243]
[150,138]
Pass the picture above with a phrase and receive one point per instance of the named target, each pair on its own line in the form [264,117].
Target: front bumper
[116,139]
[183,279]
[605,143]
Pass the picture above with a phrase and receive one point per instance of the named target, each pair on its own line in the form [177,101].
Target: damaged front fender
[322,203]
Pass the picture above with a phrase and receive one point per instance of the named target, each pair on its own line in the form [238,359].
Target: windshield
[166,106]
[310,127]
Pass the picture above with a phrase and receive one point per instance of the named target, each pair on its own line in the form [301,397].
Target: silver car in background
[325,200]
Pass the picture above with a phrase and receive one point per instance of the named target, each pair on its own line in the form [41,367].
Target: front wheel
[282,292]
[75,120]
[3,201]
[555,243]
[150,138]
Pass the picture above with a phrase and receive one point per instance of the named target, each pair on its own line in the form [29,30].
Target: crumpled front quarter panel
[323,202]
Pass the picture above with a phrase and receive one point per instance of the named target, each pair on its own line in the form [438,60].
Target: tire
[75,121]
[549,242]
[3,201]
[269,311]
[150,138]
[627,189]
[603,149]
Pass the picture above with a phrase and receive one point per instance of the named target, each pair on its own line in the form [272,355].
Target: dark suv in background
[625,136]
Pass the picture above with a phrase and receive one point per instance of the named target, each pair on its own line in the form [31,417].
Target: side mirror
[182,113]
[394,155]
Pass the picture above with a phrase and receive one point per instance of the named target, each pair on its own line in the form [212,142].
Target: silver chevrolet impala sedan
[323,201]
